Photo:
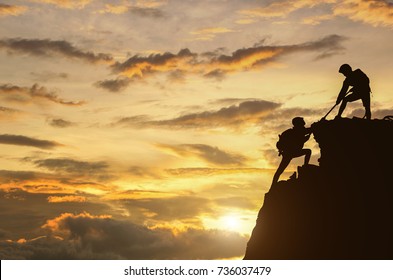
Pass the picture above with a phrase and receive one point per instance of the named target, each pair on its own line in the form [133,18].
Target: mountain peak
[342,209]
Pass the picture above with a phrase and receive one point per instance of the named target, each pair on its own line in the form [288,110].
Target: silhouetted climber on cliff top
[360,89]
[290,145]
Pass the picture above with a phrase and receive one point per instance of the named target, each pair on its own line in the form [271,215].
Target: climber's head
[345,69]
[298,122]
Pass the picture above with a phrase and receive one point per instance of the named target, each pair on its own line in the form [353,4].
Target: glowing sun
[230,222]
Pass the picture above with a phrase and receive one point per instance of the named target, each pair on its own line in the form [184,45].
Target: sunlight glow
[230,222]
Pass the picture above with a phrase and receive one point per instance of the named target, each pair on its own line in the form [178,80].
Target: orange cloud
[315,20]
[66,198]
[7,113]
[374,12]
[247,112]
[87,236]
[206,153]
[151,3]
[50,183]
[114,9]
[140,8]
[10,10]
[67,4]
[137,194]
[187,172]
[282,8]
[60,223]
[138,66]
[215,64]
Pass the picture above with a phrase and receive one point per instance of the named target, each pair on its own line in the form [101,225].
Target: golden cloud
[87,236]
[374,12]
[216,64]
[20,94]
[315,20]
[114,9]
[67,4]
[247,112]
[58,224]
[50,183]
[151,3]
[66,198]
[10,10]
[7,113]
[137,194]
[210,33]
[187,172]
[206,153]
[281,9]
[140,8]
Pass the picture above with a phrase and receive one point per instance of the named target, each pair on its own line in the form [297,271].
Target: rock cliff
[342,209]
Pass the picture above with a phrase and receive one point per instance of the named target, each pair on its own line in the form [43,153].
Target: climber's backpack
[285,141]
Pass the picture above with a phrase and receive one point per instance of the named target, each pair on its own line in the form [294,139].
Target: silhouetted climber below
[360,89]
[290,145]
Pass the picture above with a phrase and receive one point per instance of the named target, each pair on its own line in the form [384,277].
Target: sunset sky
[146,129]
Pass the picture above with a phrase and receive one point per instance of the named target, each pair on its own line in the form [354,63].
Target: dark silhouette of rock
[342,209]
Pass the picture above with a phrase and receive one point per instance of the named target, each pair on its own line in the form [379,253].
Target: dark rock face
[342,209]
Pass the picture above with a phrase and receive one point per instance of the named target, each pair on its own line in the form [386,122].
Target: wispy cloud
[147,12]
[36,92]
[287,114]
[46,47]
[207,34]
[217,64]
[247,112]
[115,9]
[200,171]
[72,166]
[207,153]
[48,76]
[8,176]
[140,8]
[281,8]
[8,110]
[21,140]
[66,4]
[11,10]
[50,183]
[75,169]
[114,85]
[7,113]
[373,12]
[66,198]
[315,20]
[61,123]
[139,66]
[179,207]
